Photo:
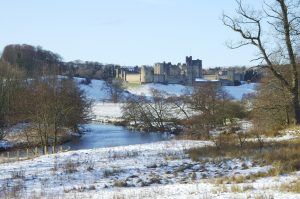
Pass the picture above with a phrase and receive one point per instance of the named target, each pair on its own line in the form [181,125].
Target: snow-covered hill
[97,90]
[237,92]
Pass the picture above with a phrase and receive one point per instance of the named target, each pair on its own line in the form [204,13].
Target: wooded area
[33,92]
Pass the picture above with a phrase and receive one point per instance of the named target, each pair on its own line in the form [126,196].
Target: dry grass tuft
[291,187]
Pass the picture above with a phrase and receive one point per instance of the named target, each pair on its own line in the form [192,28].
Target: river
[105,135]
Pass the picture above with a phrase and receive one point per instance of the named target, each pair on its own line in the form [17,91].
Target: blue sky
[126,32]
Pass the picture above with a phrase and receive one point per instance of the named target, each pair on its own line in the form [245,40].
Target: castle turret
[146,75]
[194,69]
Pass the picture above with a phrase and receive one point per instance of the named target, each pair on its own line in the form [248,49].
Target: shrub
[120,183]
[70,166]
[18,174]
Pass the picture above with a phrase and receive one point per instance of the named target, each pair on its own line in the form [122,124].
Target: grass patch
[18,174]
[111,172]
[283,156]
[120,183]
[291,187]
[10,190]
[70,166]
[236,179]
[236,189]
[132,85]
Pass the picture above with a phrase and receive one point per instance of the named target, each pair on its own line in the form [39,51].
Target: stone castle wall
[159,79]
[166,73]
[133,78]
[146,75]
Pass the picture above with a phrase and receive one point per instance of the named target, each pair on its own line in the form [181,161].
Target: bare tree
[159,109]
[212,108]
[274,48]
[272,114]
[115,89]
[52,105]
[152,113]
[179,104]
[135,110]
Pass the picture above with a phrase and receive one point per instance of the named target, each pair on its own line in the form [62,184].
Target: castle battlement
[165,73]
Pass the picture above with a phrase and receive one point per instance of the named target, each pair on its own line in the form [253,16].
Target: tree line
[31,91]
[34,60]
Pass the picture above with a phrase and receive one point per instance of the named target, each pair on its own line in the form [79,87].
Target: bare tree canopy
[275,32]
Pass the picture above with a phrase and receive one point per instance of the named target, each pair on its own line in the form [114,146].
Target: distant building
[165,73]
[226,76]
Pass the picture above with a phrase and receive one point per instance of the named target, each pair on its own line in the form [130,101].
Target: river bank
[23,135]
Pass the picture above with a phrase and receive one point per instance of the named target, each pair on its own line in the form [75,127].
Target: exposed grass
[132,85]
[291,187]
[263,196]
[236,179]
[10,190]
[90,165]
[283,156]
[18,174]
[236,189]
[120,183]
[126,154]
[70,166]
[111,172]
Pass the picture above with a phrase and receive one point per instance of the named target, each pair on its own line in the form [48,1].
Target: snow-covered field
[171,89]
[96,90]
[237,92]
[156,170]
[104,111]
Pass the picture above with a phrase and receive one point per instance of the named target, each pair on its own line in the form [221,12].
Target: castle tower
[146,75]
[194,69]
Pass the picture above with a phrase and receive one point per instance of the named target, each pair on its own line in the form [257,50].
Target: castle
[164,73]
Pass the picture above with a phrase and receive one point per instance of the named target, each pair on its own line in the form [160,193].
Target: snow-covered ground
[245,127]
[171,89]
[155,170]
[98,92]
[237,92]
[104,111]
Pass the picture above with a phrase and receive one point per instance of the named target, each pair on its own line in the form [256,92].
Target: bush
[70,167]
[86,81]
[120,183]
[237,83]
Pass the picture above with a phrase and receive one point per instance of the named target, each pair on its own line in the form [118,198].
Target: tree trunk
[287,115]
[296,107]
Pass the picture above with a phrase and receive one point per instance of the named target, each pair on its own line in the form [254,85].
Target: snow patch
[237,92]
